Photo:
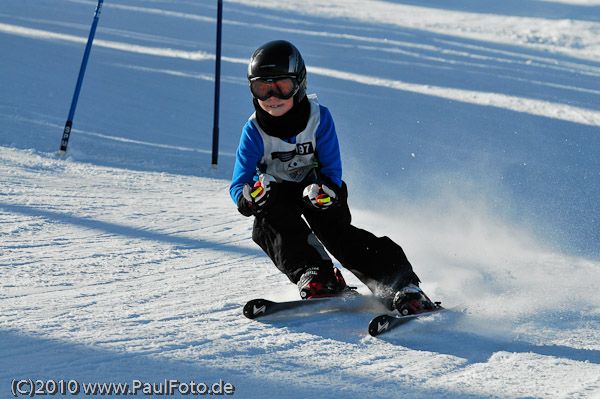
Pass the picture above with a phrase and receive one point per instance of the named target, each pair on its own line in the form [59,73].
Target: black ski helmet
[279,58]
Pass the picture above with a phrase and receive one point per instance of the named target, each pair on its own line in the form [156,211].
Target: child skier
[288,165]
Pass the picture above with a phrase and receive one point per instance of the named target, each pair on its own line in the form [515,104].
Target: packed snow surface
[470,134]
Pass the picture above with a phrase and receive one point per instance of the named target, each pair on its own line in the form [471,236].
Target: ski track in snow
[532,106]
[112,271]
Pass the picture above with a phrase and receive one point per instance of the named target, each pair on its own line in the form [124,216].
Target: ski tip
[255,308]
[379,325]
[386,322]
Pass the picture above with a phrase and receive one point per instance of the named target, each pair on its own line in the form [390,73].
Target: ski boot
[412,300]
[318,282]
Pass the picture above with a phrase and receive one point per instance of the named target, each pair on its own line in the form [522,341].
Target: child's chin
[277,111]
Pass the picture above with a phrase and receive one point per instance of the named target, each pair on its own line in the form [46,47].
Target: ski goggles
[281,87]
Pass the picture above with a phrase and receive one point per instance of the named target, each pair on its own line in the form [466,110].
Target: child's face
[276,106]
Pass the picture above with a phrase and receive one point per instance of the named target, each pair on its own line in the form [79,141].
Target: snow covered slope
[471,128]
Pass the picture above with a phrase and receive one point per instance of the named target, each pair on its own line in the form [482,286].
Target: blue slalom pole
[215,146]
[67,131]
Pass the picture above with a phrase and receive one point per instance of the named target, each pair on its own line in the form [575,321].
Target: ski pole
[67,131]
[215,145]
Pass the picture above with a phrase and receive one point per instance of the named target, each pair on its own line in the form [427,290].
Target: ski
[386,322]
[262,307]
[256,308]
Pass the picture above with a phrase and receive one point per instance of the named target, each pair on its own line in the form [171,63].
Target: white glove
[320,197]
[259,194]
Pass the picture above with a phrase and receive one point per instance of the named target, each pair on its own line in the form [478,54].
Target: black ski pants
[295,243]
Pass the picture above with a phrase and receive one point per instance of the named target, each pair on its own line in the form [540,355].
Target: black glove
[255,199]
[320,196]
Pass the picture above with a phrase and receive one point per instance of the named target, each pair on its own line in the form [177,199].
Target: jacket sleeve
[248,156]
[328,148]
